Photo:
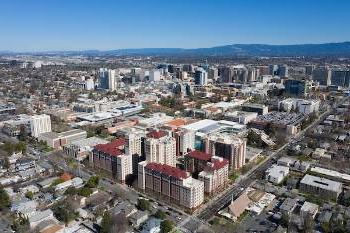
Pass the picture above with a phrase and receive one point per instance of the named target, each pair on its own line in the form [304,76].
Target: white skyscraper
[40,124]
[154,76]
[107,79]
[89,84]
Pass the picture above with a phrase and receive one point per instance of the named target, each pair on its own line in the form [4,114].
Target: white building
[89,84]
[154,76]
[300,105]
[160,148]
[40,124]
[275,174]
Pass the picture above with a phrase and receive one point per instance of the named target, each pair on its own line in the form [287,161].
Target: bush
[29,195]
[160,214]
[5,201]
[93,182]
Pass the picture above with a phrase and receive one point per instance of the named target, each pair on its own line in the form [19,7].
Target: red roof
[156,134]
[196,154]
[218,163]
[112,148]
[167,170]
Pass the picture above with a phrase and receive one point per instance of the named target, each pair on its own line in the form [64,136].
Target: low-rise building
[83,148]
[56,140]
[322,187]
[276,174]
[308,209]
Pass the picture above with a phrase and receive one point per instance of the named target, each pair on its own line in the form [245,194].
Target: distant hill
[327,49]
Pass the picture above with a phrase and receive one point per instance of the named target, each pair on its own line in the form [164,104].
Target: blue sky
[37,25]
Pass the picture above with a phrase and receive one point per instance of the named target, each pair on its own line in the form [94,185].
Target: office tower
[253,74]
[273,70]
[154,76]
[283,71]
[309,69]
[295,87]
[107,79]
[188,68]
[171,183]
[341,78]
[40,124]
[226,74]
[227,146]
[322,75]
[171,69]
[160,148]
[201,77]
[213,73]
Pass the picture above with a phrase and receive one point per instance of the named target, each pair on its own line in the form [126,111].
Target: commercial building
[83,148]
[258,108]
[322,187]
[111,158]
[171,183]
[299,105]
[107,79]
[322,75]
[160,148]
[56,140]
[296,87]
[185,141]
[214,174]
[154,76]
[201,77]
[40,124]
[241,116]
[227,146]
[341,78]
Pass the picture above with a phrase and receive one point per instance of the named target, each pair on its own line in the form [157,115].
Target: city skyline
[80,25]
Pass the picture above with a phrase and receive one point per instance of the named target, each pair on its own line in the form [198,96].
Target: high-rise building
[213,73]
[273,70]
[295,87]
[111,158]
[309,69]
[322,75]
[341,78]
[227,146]
[40,124]
[154,76]
[201,77]
[160,148]
[214,175]
[89,84]
[283,71]
[107,79]
[171,183]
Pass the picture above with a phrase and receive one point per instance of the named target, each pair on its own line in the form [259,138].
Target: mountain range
[314,50]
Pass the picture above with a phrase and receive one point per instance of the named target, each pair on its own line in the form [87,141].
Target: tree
[65,212]
[29,195]
[143,204]
[106,223]
[309,224]
[23,134]
[6,163]
[160,214]
[71,191]
[166,226]
[93,182]
[85,192]
[4,199]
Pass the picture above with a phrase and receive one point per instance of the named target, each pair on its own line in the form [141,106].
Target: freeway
[212,207]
